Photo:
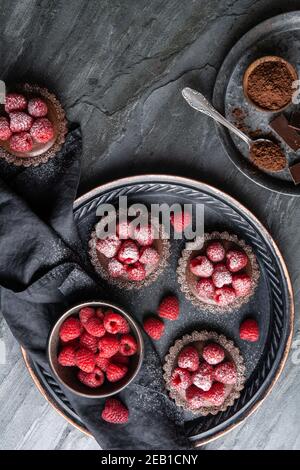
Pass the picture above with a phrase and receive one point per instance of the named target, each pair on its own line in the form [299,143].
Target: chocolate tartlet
[208,291]
[40,152]
[199,340]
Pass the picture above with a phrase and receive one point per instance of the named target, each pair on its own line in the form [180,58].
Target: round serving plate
[272,303]
[278,36]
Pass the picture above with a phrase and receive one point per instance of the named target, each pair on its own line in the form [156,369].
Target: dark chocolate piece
[295,172]
[291,137]
[295,120]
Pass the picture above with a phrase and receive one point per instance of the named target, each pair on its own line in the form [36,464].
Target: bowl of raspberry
[95,349]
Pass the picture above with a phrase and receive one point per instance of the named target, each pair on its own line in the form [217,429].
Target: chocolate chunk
[295,120]
[291,137]
[295,172]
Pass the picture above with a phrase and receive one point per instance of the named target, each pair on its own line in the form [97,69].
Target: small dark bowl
[68,375]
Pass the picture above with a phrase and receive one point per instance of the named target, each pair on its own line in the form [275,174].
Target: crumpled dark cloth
[42,273]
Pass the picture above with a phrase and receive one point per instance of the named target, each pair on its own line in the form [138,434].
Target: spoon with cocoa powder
[263,153]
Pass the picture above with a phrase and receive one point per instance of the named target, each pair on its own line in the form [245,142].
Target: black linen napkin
[43,272]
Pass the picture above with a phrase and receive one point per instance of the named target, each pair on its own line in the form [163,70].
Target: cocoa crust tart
[199,339]
[188,281]
[40,152]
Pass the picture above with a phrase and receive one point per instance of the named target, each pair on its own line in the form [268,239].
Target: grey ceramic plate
[272,303]
[276,36]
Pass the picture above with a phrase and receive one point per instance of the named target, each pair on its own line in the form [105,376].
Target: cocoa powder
[267,156]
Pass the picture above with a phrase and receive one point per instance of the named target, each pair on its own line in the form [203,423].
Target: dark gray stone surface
[118,68]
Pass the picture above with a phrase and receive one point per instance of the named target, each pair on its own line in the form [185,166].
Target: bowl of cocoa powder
[267,83]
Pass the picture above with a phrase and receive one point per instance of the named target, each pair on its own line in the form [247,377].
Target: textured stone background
[118,68]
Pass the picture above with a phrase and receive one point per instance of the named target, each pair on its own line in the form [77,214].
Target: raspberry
[144,235]
[115,268]
[89,342]
[5,132]
[37,107]
[205,288]
[99,313]
[102,362]
[225,296]
[128,253]
[85,360]
[242,284]
[85,314]
[42,130]
[66,356]
[215,395]
[21,142]
[108,246]
[181,379]
[225,373]
[123,230]
[213,353]
[249,330]
[128,345]
[124,326]
[15,102]
[115,412]
[215,252]
[136,272]
[93,380]
[188,358]
[203,377]
[70,329]
[201,266]
[116,372]
[108,346]
[120,359]
[20,121]
[169,308]
[149,256]
[181,220]
[221,276]
[154,327]
[94,326]
[236,260]
[112,322]
[194,397]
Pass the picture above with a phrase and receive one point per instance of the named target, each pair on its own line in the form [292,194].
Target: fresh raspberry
[215,252]
[42,130]
[70,329]
[93,380]
[201,266]
[128,345]
[154,327]
[66,356]
[128,253]
[115,268]
[115,412]
[74,343]
[94,326]
[215,395]
[221,276]
[21,142]
[194,397]
[149,256]
[225,373]
[85,360]
[102,362]
[120,359]
[169,308]
[205,288]
[123,230]
[89,342]
[37,107]
[181,379]
[5,132]
[203,377]
[108,346]
[20,121]
[99,313]
[188,358]
[242,284]
[85,314]
[249,330]
[15,102]
[236,260]
[124,326]
[116,372]
[213,353]
[180,221]
[144,235]
[136,272]
[112,322]
[108,246]
[224,296]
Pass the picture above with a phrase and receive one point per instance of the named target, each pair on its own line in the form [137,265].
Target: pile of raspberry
[130,252]
[203,379]
[98,344]
[25,123]
[221,274]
